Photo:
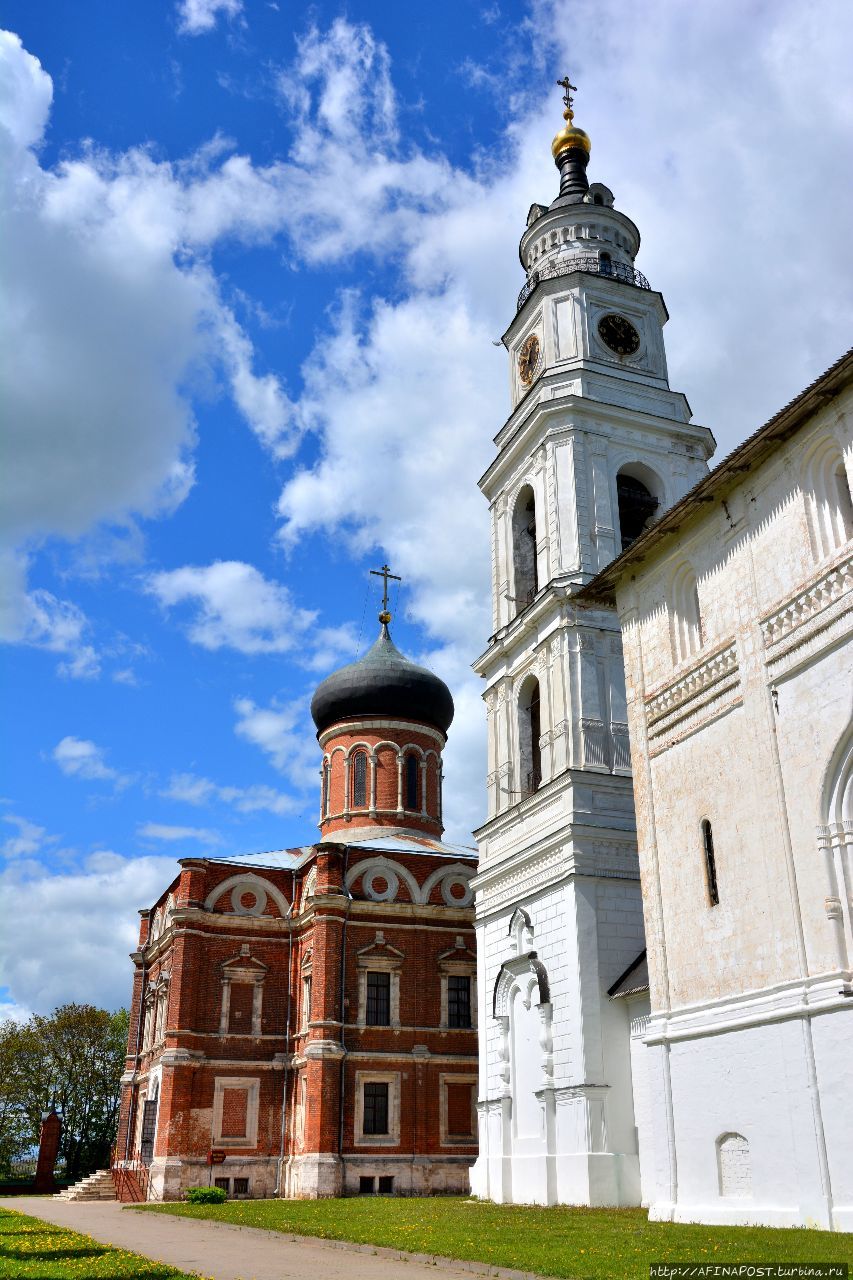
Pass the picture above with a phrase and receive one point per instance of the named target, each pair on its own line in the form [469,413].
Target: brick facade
[303,1022]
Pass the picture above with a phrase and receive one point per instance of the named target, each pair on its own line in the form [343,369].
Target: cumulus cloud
[40,619]
[87,917]
[30,840]
[234,606]
[195,17]
[192,789]
[404,393]
[80,758]
[285,734]
[163,831]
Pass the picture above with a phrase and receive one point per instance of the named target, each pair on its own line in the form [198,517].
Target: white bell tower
[596,446]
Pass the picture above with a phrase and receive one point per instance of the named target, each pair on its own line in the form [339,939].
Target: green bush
[206,1195]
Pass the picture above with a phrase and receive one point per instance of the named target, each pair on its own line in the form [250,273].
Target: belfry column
[595,445]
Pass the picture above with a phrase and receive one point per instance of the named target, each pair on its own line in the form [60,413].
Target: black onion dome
[383,683]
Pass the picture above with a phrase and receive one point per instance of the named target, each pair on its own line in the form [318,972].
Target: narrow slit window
[411,781]
[325,796]
[359,780]
[710,862]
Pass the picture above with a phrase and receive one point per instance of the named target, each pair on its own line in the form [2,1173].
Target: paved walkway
[227,1252]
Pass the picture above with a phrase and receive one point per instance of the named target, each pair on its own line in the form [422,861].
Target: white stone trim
[456,1140]
[252,1085]
[392,1137]
[247,881]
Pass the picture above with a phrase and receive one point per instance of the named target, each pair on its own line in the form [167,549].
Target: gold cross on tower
[568,88]
[385,573]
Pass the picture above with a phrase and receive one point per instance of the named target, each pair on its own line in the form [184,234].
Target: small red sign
[216,1157]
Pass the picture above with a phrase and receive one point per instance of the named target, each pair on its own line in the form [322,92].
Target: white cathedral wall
[743,733]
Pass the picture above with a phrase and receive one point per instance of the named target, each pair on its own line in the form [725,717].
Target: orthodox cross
[567,87]
[385,573]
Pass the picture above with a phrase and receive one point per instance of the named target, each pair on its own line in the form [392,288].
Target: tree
[72,1059]
[15,1128]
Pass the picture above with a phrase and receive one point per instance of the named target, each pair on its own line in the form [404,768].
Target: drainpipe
[287,1032]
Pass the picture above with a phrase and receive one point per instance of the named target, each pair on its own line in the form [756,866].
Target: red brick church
[303,1021]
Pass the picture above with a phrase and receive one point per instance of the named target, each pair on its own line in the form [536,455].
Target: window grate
[458,1000]
[375,1107]
[378,1012]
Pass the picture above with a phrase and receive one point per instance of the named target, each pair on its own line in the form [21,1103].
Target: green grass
[34,1250]
[585,1244]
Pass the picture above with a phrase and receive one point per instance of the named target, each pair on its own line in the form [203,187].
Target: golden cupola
[570,149]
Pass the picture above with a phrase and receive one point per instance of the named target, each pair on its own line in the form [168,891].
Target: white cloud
[405,395]
[162,831]
[88,918]
[198,16]
[39,619]
[283,731]
[191,789]
[236,607]
[30,840]
[80,758]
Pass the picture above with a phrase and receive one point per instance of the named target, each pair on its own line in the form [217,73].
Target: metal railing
[592,264]
[132,1178]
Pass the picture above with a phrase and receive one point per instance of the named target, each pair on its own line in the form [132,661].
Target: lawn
[30,1248]
[585,1244]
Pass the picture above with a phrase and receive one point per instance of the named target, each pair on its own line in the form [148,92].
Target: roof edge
[601,590]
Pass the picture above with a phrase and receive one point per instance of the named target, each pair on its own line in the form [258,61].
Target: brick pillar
[51,1131]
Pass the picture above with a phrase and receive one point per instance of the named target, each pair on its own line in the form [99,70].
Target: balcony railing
[592,264]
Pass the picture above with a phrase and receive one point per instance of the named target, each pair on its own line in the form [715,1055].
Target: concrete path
[226,1252]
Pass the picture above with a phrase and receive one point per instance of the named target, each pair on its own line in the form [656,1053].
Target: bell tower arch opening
[529,734]
[638,498]
[524,548]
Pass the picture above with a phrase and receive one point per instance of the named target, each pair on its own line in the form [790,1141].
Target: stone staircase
[98,1186]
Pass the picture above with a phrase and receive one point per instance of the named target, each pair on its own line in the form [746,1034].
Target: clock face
[528,359]
[618,334]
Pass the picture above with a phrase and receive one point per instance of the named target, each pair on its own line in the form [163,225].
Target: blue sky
[256,256]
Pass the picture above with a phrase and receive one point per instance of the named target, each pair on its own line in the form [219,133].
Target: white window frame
[252,1085]
[392,1137]
[456,1140]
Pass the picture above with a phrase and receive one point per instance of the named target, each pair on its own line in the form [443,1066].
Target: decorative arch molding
[456,874]
[685,613]
[511,975]
[828,497]
[521,931]
[835,844]
[243,884]
[392,872]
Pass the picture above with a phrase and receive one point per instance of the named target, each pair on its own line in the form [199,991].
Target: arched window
[687,631]
[411,781]
[710,863]
[359,780]
[605,262]
[529,733]
[831,505]
[524,548]
[324,799]
[637,504]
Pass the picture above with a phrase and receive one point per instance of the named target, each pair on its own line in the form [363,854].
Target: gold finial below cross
[568,88]
[385,573]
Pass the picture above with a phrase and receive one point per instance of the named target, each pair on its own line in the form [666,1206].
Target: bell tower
[596,445]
